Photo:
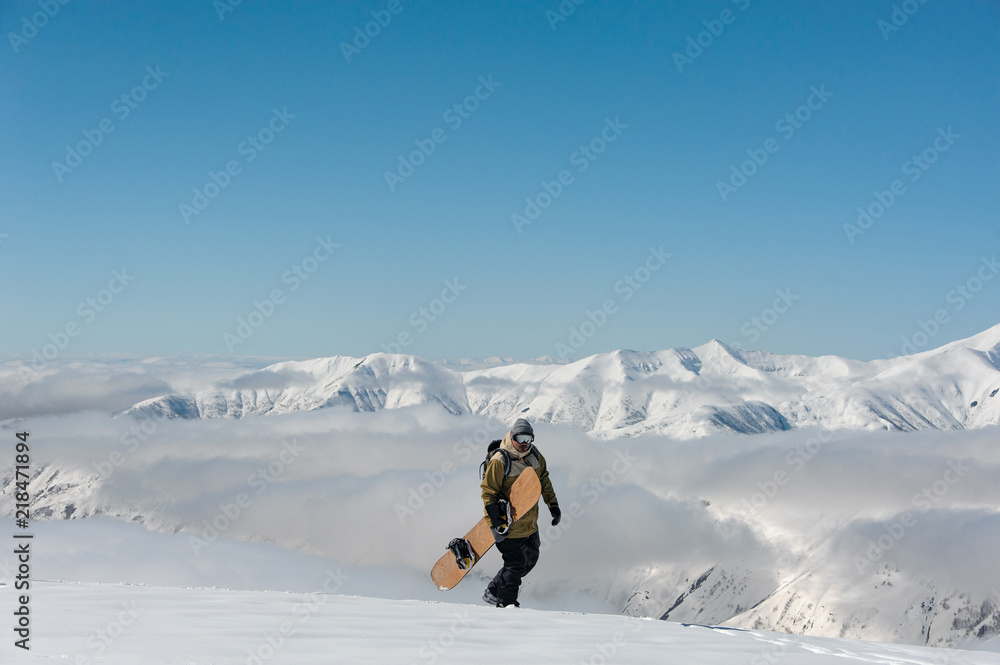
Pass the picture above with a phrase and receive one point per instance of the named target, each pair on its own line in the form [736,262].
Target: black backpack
[492,449]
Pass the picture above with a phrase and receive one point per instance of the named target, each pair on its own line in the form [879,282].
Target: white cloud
[382,493]
[106,383]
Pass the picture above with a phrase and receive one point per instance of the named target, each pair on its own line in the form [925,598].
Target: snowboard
[524,494]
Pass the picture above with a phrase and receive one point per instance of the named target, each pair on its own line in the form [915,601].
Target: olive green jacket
[495,486]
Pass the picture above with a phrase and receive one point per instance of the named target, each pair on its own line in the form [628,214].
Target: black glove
[556,514]
[500,518]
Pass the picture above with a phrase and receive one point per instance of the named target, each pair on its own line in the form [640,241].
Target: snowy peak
[987,341]
[682,392]
[717,353]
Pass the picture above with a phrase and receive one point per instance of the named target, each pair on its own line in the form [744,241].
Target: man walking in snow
[520,544]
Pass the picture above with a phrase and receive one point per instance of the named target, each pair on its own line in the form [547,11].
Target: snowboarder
[519,544]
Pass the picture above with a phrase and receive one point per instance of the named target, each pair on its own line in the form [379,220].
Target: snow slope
[82,623]
[877,535]
[683,393]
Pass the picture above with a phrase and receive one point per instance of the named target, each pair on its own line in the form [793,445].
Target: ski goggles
[524,438]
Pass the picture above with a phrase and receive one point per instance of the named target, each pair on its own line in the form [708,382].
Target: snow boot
[491,598]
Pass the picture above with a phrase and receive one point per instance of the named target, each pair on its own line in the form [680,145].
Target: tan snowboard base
[524,495]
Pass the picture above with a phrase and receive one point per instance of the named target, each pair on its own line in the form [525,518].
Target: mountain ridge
[681,392]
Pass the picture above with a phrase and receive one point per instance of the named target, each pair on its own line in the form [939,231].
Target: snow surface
[133,625]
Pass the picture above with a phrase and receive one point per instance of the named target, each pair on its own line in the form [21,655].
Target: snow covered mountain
[819,530]
[684,393]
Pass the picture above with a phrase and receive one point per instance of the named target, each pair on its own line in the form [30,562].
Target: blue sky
[435,260]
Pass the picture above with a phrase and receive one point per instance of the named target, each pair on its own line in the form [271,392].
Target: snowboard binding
[464,554]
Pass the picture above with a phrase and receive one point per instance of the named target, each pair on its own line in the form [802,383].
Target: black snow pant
[519,556]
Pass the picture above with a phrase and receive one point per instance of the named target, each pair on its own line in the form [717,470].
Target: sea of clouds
[273,502]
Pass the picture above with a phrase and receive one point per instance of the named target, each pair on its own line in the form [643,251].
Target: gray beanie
[521,426]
